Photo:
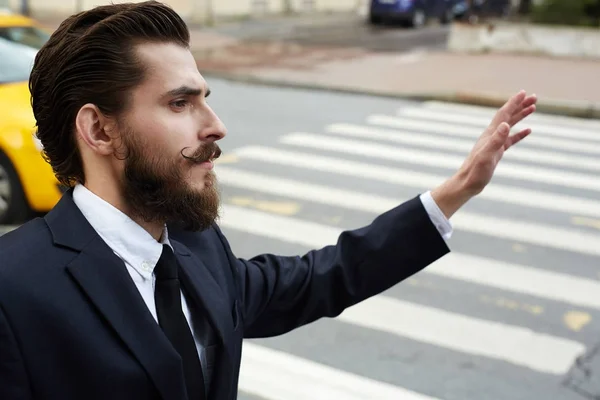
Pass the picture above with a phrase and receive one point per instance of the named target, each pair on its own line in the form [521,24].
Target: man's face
[169,137]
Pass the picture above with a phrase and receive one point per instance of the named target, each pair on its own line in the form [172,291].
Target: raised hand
[479,166]
[487,152]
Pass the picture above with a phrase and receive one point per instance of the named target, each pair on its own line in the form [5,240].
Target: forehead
[168,66]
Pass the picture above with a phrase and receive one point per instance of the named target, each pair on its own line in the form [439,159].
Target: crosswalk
[504,316]
[520,248]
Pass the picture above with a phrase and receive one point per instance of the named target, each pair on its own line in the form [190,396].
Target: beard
[155,188]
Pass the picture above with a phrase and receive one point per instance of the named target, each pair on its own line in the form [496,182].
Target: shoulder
[29,235]
[209,238]
[24,246]
[209,246]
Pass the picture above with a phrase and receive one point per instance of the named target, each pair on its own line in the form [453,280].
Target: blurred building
[192,10]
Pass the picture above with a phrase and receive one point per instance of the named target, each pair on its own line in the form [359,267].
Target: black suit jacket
[74,326]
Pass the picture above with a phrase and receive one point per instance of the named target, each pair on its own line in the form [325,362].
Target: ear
[93,129]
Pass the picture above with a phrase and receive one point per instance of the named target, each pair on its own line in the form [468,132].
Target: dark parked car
[412,12]
[474,10]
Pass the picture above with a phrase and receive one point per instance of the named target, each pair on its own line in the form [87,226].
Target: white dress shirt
[140,251]
[134,245]
[436,215]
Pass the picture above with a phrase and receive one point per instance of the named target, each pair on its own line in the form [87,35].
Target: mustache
[203,153]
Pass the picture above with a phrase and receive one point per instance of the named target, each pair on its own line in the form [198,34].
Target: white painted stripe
[454,130]
[494,191]
[300,232]
[478,270]
[461,119]
[462,145]
[516,345]
[513,344]
[488,112]
[548,285]
[441,160]
[276,375]
[526,232]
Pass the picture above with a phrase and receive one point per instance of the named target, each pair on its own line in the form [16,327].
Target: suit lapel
[204,290]
[106,282]
[211,300]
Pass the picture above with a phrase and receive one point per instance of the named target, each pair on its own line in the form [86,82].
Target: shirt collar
[132,243]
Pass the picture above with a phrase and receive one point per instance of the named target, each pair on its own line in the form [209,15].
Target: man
[127,289]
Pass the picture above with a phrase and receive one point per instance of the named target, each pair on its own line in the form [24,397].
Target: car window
[16,61]
[26,35]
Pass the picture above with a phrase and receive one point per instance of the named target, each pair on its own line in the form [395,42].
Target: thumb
[499,137]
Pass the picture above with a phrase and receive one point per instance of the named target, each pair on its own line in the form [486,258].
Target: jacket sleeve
[279,294]
[13,378]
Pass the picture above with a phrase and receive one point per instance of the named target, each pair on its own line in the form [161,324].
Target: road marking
[405,177]
[478,270]
[590,222]
[527,232]
[519,248]
[477,337]
[518,278]
[514,305]
[488,112]
[453,130]
[412,281]
[333,220]
[577,320]
[275,375]
[462,145]
[537,128]
[499,302]
[440,160]
[275,207]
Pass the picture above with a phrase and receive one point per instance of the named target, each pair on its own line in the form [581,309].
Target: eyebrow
[187,91]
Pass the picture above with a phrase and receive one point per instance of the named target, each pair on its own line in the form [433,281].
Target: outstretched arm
[280,293]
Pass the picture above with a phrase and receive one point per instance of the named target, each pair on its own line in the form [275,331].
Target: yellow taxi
[27,183]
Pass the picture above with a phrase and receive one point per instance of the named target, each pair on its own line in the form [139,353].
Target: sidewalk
[564,86]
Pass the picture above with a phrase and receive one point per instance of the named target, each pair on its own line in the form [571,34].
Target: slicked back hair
[91,58]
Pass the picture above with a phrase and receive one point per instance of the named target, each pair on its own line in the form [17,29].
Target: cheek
[159,142]
[165,133]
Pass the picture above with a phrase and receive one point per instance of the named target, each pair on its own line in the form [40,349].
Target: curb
[578,109]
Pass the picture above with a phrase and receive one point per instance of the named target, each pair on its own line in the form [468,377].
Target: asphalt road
[502,317]
[340,30]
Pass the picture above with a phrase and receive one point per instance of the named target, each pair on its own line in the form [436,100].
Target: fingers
[516,138]
[499,137]
[510,107]
[529,101]
[514,102]
[522,115]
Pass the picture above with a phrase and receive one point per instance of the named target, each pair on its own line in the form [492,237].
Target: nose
[213,129]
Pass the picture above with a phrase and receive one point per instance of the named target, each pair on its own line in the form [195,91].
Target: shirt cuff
[436,215]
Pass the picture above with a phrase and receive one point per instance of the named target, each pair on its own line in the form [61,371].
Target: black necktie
[171,319]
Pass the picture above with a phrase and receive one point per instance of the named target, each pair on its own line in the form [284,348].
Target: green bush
[567,12]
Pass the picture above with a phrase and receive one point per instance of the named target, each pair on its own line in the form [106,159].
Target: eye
[179,104]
